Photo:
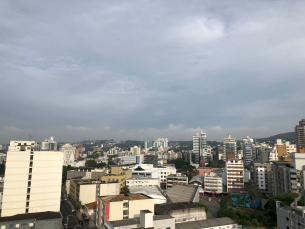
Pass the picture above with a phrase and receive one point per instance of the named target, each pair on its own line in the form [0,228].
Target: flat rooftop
[161,209]
[35,216]
[217,222]
[122,197]
[136,221]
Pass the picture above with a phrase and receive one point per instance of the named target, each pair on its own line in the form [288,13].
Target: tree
[248,167]
[254,195]
[221,164]
[110,163]
[125,190]
[90,163]
[78,205]
[203,206]
[240,201]
[65,170]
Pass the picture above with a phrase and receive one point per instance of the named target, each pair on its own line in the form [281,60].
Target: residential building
[165,171]
[89,214]
[35,220]
[25,184]
[136,150]
[174,179]
[87,172]
[183,193]
[222,223]
[49,144]
[68,152]
[279,176]
[229,146]
[151,159]
[292,217]
[235,175]
[151,191]
[247,151]
[87,190]
[281,149]
[161,143]
[261,176]
[112,208]
[146,220]
[182,212]
[300,136]
[213,183]
[117,173]
[200,147]
[77,153]
[142,181]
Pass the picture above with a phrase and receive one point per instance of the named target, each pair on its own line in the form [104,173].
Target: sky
[79,70]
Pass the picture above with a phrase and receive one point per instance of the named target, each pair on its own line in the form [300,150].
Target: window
[287,219]
[29,190]
[29,183]
[125,212]
[27,210]
[31,157]
[126,205]
[30,170]
[27,204]
[30,177]
[31,164]
[28,197]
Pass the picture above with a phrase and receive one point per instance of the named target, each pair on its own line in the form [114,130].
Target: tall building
[235,175]
[262,176]
[300,135]
[148,144]
[200,147]
[136,150]
[49,144]
[32,180]
[69,154]
[161,143]
[229,147]
[247,152]
[151,159]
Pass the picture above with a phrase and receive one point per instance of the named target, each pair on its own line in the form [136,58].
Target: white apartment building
[49,144]
[68,153]
[161,143]
[32,179]
[165,171]
[247,152]
[213,183]
[235,175]
[145,170]
[286,149]
[135,182]
[136,150]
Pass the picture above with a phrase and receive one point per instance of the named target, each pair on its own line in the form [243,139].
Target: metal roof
[181,193]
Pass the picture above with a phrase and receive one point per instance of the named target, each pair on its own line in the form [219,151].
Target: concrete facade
[262,176]
[135,182]
[235,175]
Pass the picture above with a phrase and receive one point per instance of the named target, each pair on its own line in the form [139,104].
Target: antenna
[30,136]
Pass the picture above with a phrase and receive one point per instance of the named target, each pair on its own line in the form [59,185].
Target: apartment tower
[300,136]
[229,147]
[32,179]
[235,175]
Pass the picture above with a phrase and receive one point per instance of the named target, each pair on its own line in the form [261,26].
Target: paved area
[213,208]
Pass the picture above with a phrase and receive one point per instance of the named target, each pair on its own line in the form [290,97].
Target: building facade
[213,183]
[175,179]
[32,179]
[229,146]
[300,135]
[135,182]
[261,176]
[247,151]
[49,144]
[235,175]
[200,147]
[151,159]
[69,154]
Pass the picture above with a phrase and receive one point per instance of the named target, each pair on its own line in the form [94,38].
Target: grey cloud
[140,66]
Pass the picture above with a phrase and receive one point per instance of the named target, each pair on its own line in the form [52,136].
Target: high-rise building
[136,150]
[200,147]
[69,152]
[151,159]
[49,144]
[262,176]
[247,152]
[148,144]
[235,175]
[229,147]
[161,143]
[300,135]
[32,179]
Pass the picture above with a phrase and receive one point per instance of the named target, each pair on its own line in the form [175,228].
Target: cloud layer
[148,69]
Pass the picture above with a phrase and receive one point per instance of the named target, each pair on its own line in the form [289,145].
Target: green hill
[289,136]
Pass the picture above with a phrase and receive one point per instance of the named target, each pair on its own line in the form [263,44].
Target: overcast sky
[146,69]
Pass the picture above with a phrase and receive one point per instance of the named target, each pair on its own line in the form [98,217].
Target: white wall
[110,189]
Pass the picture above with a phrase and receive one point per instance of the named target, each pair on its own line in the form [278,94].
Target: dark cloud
[148,69]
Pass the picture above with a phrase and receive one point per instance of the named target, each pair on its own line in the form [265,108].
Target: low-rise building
[182,212]
[146,220]
[86,191]
[213,183]
[174,179]
[197,180]
[183,193]
[117,173]
[37,220]
[88,172]
[118,207]
[204,170]
[152,191]
[145,170]
[222,223]
[128,160]
[166,171]
[142,181]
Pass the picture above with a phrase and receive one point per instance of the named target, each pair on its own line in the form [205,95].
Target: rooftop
[181,193]
[198,178]
[35,216]
[92,205]
[136,221]
[151,191]
[217,222]
[122,197]
[164,209]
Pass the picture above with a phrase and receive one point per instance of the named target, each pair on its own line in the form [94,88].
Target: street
[72,219]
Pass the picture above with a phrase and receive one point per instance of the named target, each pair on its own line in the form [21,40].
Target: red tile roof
[91,205]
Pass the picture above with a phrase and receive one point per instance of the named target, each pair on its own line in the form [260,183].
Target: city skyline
[144,70]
